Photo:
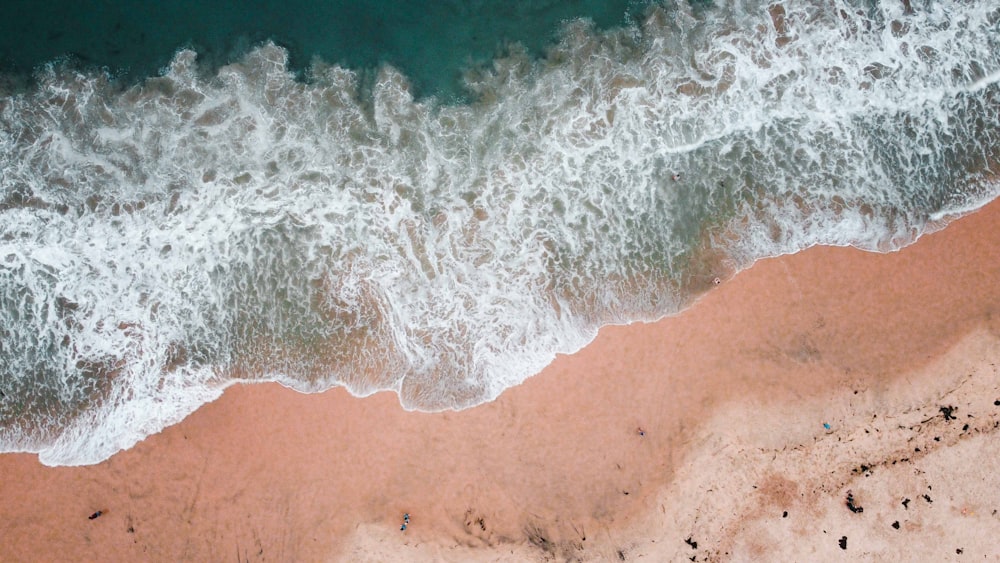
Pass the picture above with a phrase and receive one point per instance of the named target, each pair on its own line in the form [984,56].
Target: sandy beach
[827,405]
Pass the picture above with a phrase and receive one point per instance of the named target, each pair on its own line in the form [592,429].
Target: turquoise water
[244,214]
[432,43]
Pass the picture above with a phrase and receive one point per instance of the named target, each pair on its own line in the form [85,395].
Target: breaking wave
[208,226]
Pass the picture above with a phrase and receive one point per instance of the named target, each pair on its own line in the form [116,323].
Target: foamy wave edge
[745,238]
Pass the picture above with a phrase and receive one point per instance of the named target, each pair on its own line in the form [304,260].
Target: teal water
[430,42]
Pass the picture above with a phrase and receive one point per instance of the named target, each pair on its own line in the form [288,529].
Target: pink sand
[731,396]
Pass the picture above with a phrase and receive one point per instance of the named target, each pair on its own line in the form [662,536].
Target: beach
[735,430]
[560,281]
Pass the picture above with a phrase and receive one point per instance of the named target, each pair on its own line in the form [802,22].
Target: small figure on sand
[716,281]
[640,432]
[95,515]
[406,522]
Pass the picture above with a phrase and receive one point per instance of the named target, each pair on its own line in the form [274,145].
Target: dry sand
[735,462]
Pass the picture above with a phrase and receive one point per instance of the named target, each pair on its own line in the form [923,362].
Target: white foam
[312,235]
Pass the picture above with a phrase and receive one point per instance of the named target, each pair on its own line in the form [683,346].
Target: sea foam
[210,226]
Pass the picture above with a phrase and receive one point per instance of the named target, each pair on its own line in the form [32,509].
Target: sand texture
[896,353]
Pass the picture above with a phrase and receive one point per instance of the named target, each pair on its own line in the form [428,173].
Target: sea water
[337,224]
[432,43]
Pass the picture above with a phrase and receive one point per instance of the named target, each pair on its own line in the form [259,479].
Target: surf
[202,228]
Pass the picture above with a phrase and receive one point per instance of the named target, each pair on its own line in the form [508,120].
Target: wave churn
[161,242]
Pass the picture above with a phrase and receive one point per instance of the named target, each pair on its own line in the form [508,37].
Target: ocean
[437,201]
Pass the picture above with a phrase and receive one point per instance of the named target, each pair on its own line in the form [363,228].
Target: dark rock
[843,542]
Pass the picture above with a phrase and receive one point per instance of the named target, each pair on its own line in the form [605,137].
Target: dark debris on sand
[863,469]
[851,505]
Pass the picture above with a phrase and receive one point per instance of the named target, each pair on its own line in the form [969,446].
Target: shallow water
[335,228]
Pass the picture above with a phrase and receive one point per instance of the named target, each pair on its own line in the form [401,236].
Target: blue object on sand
[403,527]
[826,425]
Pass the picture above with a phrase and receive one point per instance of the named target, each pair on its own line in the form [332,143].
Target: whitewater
[162,240]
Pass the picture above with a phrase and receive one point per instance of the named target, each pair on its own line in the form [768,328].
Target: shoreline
[556,466]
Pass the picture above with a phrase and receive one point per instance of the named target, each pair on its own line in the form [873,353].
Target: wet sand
[734,461]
